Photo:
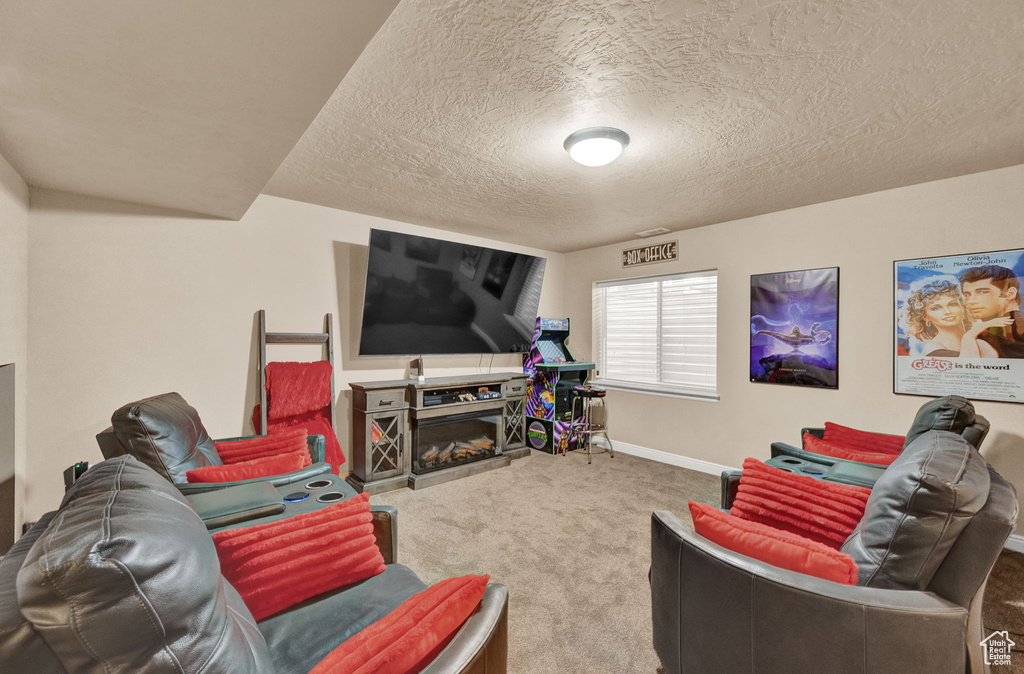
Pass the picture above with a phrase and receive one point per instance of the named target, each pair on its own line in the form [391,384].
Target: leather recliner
[165,433]
[949,413]
[954,414]
[124,577]
[718,612]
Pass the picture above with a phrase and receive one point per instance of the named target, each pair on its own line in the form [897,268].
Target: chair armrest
[385,530]
[481,644]
[781,448]
[716,611]
[307,473]
[241,503]
[316,444]
[730,487]
[816,432]
[785,449]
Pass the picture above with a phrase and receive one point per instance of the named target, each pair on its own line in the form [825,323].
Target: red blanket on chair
[299,394]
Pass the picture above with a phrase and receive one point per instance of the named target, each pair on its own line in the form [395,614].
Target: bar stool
[584,427]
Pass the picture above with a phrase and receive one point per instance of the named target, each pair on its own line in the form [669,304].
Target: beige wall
[129,302]
[861,235]
[14,207]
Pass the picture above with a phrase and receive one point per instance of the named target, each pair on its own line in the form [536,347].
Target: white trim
[703,273]
[663,390]
[1014,543]
[660,456]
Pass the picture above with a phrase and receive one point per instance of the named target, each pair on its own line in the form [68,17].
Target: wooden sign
[657,252]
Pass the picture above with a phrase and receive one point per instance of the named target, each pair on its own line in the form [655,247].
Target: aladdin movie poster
[794,328]
[959,328]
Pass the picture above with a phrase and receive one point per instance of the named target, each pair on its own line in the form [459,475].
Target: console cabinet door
[386,439]
[515,423]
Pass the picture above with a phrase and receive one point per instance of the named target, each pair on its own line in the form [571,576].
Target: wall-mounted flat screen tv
[427,296]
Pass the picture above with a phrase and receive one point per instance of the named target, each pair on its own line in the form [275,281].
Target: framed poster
[958,326]
[470,261]
[794,328]
[423,249]
[498,271]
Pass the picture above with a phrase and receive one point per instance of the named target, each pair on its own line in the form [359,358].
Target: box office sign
[657,252]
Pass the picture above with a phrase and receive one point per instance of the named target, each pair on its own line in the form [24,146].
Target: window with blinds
[658,334]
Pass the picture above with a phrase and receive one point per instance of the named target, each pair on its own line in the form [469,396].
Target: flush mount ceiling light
[597,145]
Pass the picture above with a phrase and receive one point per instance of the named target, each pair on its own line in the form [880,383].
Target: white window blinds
[658,334]
[529,299]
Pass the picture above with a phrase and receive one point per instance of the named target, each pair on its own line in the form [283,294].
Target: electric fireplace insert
[455,439]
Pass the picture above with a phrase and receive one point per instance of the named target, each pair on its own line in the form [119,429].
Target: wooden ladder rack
[326,338]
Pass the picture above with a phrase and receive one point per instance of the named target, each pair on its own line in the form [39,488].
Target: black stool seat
[588,391]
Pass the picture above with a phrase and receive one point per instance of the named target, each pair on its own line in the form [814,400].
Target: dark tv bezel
[366,272]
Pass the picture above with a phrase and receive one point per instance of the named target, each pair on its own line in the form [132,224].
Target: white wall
[14,209]
[863,236]
[129,302]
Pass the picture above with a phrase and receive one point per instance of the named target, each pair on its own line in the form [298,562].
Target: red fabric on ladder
[299,394]
[297,388]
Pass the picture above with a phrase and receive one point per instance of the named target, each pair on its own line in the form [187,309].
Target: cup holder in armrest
[318,484]
[331,497]
[792,462]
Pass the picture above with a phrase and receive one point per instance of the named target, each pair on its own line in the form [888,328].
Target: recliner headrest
[165,433]
[917,510]
[126,579]
[950,413]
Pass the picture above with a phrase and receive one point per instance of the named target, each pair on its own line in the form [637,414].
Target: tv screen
[426,296]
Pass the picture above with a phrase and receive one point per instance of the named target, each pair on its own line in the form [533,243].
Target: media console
[412,433]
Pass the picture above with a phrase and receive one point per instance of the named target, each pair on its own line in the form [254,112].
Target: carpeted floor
[572,543]
[1004,606]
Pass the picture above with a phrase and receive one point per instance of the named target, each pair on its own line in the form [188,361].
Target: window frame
[599,323]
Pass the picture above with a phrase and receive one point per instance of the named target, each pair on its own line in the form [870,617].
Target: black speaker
[73,472]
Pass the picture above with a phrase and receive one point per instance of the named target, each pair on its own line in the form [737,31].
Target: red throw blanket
[297,388]
[299,395]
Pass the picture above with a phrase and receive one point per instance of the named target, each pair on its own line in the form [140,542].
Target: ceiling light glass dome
[596,146]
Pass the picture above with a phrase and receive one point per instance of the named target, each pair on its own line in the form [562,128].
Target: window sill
[654,390]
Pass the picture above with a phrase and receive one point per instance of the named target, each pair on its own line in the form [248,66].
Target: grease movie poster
[959,328]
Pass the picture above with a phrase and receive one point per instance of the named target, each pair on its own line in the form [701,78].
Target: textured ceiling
[187,104]
[454,115]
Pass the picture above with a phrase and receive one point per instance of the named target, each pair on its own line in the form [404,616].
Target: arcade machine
[552,375]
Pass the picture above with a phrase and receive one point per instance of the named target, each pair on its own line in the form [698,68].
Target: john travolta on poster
[959,327]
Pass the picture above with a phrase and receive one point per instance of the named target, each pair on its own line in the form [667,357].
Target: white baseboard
[1015,543]
[671,459]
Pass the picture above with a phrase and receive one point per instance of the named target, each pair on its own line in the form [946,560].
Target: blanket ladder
[326,338]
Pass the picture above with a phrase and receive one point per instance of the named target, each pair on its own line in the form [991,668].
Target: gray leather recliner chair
[124,577]
[719,612]
[949,413]
[954,414]
[165,433]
